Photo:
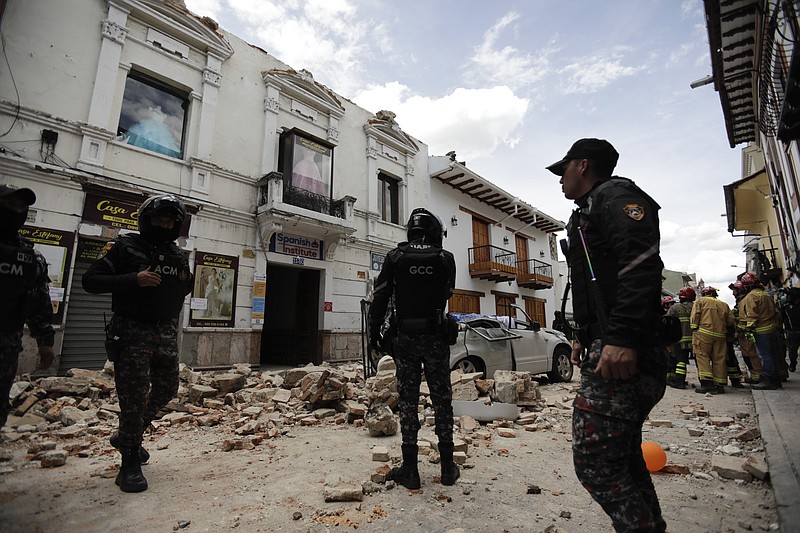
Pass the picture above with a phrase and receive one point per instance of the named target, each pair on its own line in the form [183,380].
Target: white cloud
[508,65]
[594,73]
[677,55]
[205,8]
[692,9]
[704,249]
[325,37]
[473,122]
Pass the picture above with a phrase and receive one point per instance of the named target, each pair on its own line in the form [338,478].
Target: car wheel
[469,365]
[562,365]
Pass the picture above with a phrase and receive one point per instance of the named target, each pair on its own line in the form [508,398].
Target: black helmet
[423,223]
[167,205]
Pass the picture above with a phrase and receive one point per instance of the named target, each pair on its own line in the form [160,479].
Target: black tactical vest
[18,269]
[421,280]
[152,304]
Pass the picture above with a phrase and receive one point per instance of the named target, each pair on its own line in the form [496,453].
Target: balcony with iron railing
[309,214]
[492,263]
[534,274]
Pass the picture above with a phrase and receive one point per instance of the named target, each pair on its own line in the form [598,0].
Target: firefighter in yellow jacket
[758,318]
[682,311]
[746,345]
[710,321]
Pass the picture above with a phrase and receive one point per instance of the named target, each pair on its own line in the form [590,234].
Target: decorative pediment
[387,131]
[172,18]
[300,85]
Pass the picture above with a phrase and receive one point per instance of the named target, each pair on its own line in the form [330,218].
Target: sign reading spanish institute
[283,243]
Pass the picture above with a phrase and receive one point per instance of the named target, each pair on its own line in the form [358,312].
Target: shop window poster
[56,247]
[213,301]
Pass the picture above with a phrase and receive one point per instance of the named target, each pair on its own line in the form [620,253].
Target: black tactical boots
[130,477]
[450,472]
[144,455]
[407,474]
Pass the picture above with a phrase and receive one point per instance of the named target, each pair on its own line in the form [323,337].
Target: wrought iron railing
[493,256]
[533,271]
[275,187]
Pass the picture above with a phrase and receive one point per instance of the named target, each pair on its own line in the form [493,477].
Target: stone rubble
[250,407]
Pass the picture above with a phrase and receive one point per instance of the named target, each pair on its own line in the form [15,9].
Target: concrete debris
[254,406]
[381,421]
[661,423]
[730,467]
[380,453]
[52,458]
[676,469]
[757,466]
[340,490]
[748,434]
[721,421]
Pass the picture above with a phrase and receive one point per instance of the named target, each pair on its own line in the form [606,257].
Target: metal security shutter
[84,333]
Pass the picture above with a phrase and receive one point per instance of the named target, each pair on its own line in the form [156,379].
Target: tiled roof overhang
[462,179]
[734,34]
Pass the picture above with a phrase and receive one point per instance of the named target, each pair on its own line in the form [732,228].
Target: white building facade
[295,193]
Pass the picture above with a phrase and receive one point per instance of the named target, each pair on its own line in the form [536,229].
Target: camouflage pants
[10,346]
[412,353]
[145,373]
[607,437]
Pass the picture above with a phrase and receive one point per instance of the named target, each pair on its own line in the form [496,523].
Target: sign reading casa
[116,213]
[283,243]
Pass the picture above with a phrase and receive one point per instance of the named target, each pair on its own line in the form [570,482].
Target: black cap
[6,189]
[599,150]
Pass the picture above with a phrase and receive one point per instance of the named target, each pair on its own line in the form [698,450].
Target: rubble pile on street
[249,407]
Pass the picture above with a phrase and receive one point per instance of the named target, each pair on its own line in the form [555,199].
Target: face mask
[11,221]
[158,235]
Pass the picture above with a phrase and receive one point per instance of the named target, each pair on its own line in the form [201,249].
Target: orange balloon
[654,456]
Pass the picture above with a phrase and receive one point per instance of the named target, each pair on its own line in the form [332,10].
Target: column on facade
[96,132]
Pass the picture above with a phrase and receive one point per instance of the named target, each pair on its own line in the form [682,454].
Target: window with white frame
[307,167]
[388,198]
[153,115]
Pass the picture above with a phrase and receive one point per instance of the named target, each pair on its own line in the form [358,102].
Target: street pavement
[779,420]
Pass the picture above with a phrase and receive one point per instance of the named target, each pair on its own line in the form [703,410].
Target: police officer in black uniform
[420,274]
[148,276]
[616,269]
[24,294]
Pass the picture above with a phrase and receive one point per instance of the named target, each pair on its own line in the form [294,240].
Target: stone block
[198,392]
[282,396]
[757,467]
[748,434]
[380,453]
[342,491]
[729,467]
[229,382]
[53,458]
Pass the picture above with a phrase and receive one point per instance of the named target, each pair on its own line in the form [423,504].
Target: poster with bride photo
[214,296]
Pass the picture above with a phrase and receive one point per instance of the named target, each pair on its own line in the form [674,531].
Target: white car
[485,344]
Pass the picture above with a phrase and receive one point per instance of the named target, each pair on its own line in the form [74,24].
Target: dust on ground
[523,483]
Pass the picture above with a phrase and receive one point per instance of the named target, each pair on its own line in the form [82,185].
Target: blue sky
[509,85]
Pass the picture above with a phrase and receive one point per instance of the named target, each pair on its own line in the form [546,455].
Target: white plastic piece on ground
[485,412]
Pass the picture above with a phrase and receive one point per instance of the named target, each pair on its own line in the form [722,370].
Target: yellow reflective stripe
[711,333]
